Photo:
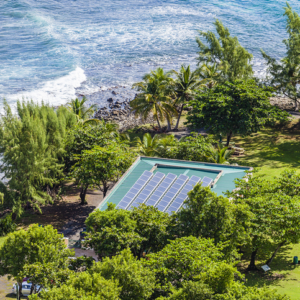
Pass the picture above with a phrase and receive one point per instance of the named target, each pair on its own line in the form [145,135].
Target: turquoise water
[57,49]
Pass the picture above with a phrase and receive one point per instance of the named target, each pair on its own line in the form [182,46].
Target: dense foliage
[231,59]
[284,75]
[241,107]
[38,253]
[32,149]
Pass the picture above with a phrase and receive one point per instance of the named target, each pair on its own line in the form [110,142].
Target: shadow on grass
[280,270]
[270,150]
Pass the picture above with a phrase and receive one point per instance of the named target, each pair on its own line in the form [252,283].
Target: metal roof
[223,175]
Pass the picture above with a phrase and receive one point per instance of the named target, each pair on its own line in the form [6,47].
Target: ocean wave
[54,92]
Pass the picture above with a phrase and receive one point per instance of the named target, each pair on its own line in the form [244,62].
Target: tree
[207,215]
[41,251]
[80,110]
[83,286]
[111,231]
[195,148]
[153,226]
[241,107]
[210,74]
[199,291]
[184,87]
[220,154]
[154,97]
[275,213]
[32,149]
[136,280]
[285,74]
[148,145]
[191,259]
[233,61]
[100,167]
[81,138]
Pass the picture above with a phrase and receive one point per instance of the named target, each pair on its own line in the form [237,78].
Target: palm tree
[154,97]
[210,74]
[154,146]
[148,145]
[79,108]
[220,154]
[185,84]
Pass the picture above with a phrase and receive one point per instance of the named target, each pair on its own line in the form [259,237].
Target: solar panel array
[148,189]
[178,202]
[160,191]
[172,192]
[167,193]
[134,191]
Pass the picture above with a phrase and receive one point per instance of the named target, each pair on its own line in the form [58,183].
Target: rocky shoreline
[120,113]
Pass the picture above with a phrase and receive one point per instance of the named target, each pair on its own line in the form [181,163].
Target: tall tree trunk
[269,261]
[169,124]
[83,194]
[252,266]
[296,105]
[178,119]
[229,135]
[158,123]
[105,189]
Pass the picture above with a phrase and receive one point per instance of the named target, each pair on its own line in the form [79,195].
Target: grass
[270,150]
[284,275]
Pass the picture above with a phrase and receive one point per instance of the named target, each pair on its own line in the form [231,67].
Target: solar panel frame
[135,190]
[172,192]
[161,189]
[148,189]
[183,195]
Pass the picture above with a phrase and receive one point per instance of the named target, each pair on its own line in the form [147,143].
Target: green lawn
[284,276]
[270,150]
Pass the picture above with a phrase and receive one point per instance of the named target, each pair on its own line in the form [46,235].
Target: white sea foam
[55,92]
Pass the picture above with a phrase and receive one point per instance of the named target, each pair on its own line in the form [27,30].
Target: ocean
[56,50]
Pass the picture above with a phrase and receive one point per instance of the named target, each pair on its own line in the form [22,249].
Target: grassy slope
[270,150]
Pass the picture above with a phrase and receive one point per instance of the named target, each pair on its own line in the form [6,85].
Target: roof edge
[196,162]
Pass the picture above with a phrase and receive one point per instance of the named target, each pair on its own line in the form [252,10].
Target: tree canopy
[284,75]
[240,107]
[232,60]
[38,253]
[32,149]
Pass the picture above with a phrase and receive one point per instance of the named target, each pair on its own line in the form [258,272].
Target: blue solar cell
[160,191]
[136,188]
[148,189]
[206,181]
[182,196]
[172,192]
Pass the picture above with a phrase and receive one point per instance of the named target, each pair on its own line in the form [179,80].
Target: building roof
[223,175]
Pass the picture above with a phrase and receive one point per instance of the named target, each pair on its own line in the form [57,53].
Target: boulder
[114,93]
[110,100]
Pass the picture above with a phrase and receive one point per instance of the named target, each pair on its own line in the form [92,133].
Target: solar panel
[172,192]
[134,191]
[148,189]
[206,181]
[178,202]
[160,191]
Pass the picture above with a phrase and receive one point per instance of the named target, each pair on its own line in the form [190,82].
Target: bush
[7,225]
